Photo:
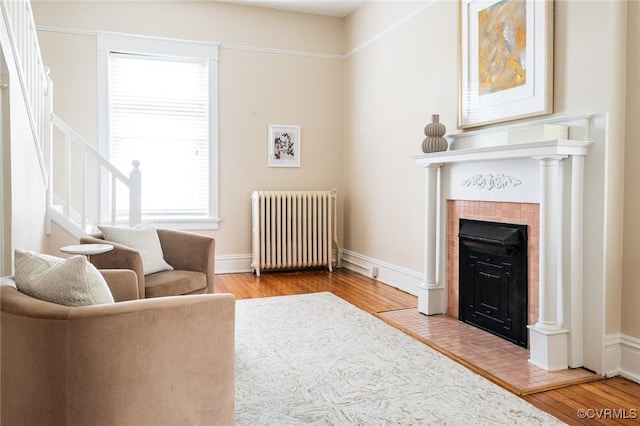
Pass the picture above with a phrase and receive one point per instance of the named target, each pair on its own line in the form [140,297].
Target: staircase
[83,187]
[78,205]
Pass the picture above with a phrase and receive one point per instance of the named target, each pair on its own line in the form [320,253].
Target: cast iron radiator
[292,229]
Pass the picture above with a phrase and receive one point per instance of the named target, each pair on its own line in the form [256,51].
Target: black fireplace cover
[492,237]
[493,278]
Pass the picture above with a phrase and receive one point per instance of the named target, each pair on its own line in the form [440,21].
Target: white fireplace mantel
[552,148]
[548,339]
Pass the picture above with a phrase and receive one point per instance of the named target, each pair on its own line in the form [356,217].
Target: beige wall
[631,259]
[257,87]
[28,189]
[5,179]
[393,86]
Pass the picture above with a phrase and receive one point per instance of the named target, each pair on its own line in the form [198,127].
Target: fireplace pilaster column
[431,298]
[548,340]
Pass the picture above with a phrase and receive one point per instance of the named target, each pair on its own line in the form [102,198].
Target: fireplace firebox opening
[493,278]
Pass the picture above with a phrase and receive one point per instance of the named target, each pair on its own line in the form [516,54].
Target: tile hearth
[490,356]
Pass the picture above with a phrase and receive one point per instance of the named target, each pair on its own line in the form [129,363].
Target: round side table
[87,249]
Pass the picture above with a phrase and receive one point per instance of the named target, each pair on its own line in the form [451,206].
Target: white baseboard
[622,356]
[239,263]
[393,275]
[612,348]
[630,358]
[233,263]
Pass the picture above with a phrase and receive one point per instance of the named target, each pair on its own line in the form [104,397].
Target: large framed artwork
[506,60]
[284,146]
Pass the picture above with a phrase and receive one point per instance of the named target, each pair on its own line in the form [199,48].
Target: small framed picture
[284,146]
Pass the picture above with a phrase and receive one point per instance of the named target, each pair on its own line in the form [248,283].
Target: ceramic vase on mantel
[434,132]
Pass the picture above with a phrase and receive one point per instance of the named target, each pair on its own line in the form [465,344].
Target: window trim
[125,43]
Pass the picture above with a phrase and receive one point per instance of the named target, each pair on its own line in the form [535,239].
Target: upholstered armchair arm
[176,352]
[121,257]
[123,284]
[190,252]
[168,360]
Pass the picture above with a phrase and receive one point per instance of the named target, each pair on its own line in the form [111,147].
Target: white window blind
[159,115]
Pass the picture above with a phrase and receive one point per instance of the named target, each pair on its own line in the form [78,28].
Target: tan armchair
[167,361]
[191,255]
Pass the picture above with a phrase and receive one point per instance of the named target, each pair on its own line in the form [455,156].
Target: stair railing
[103,167]
[32,75]
[37,91]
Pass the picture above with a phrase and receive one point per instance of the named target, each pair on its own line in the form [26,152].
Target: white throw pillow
[69,282]
[142,238]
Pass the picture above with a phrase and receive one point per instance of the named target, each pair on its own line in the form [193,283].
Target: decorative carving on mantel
[490,181]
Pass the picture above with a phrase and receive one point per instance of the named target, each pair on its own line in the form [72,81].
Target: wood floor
[609,401]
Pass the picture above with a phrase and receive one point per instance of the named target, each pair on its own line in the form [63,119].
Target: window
[158,114]
[160,108]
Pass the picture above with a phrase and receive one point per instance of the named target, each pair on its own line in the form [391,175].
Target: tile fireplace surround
[493,211]
[556,188]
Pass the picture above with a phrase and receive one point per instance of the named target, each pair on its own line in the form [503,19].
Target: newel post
[135,194]
[47,144]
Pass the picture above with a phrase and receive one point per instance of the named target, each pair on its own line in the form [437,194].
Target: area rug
[315,359]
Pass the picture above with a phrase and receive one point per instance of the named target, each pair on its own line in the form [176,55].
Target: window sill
[185,224]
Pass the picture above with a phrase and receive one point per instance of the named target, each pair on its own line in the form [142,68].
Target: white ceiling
[339,8]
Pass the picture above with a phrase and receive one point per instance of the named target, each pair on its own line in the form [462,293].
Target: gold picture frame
[505,61]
